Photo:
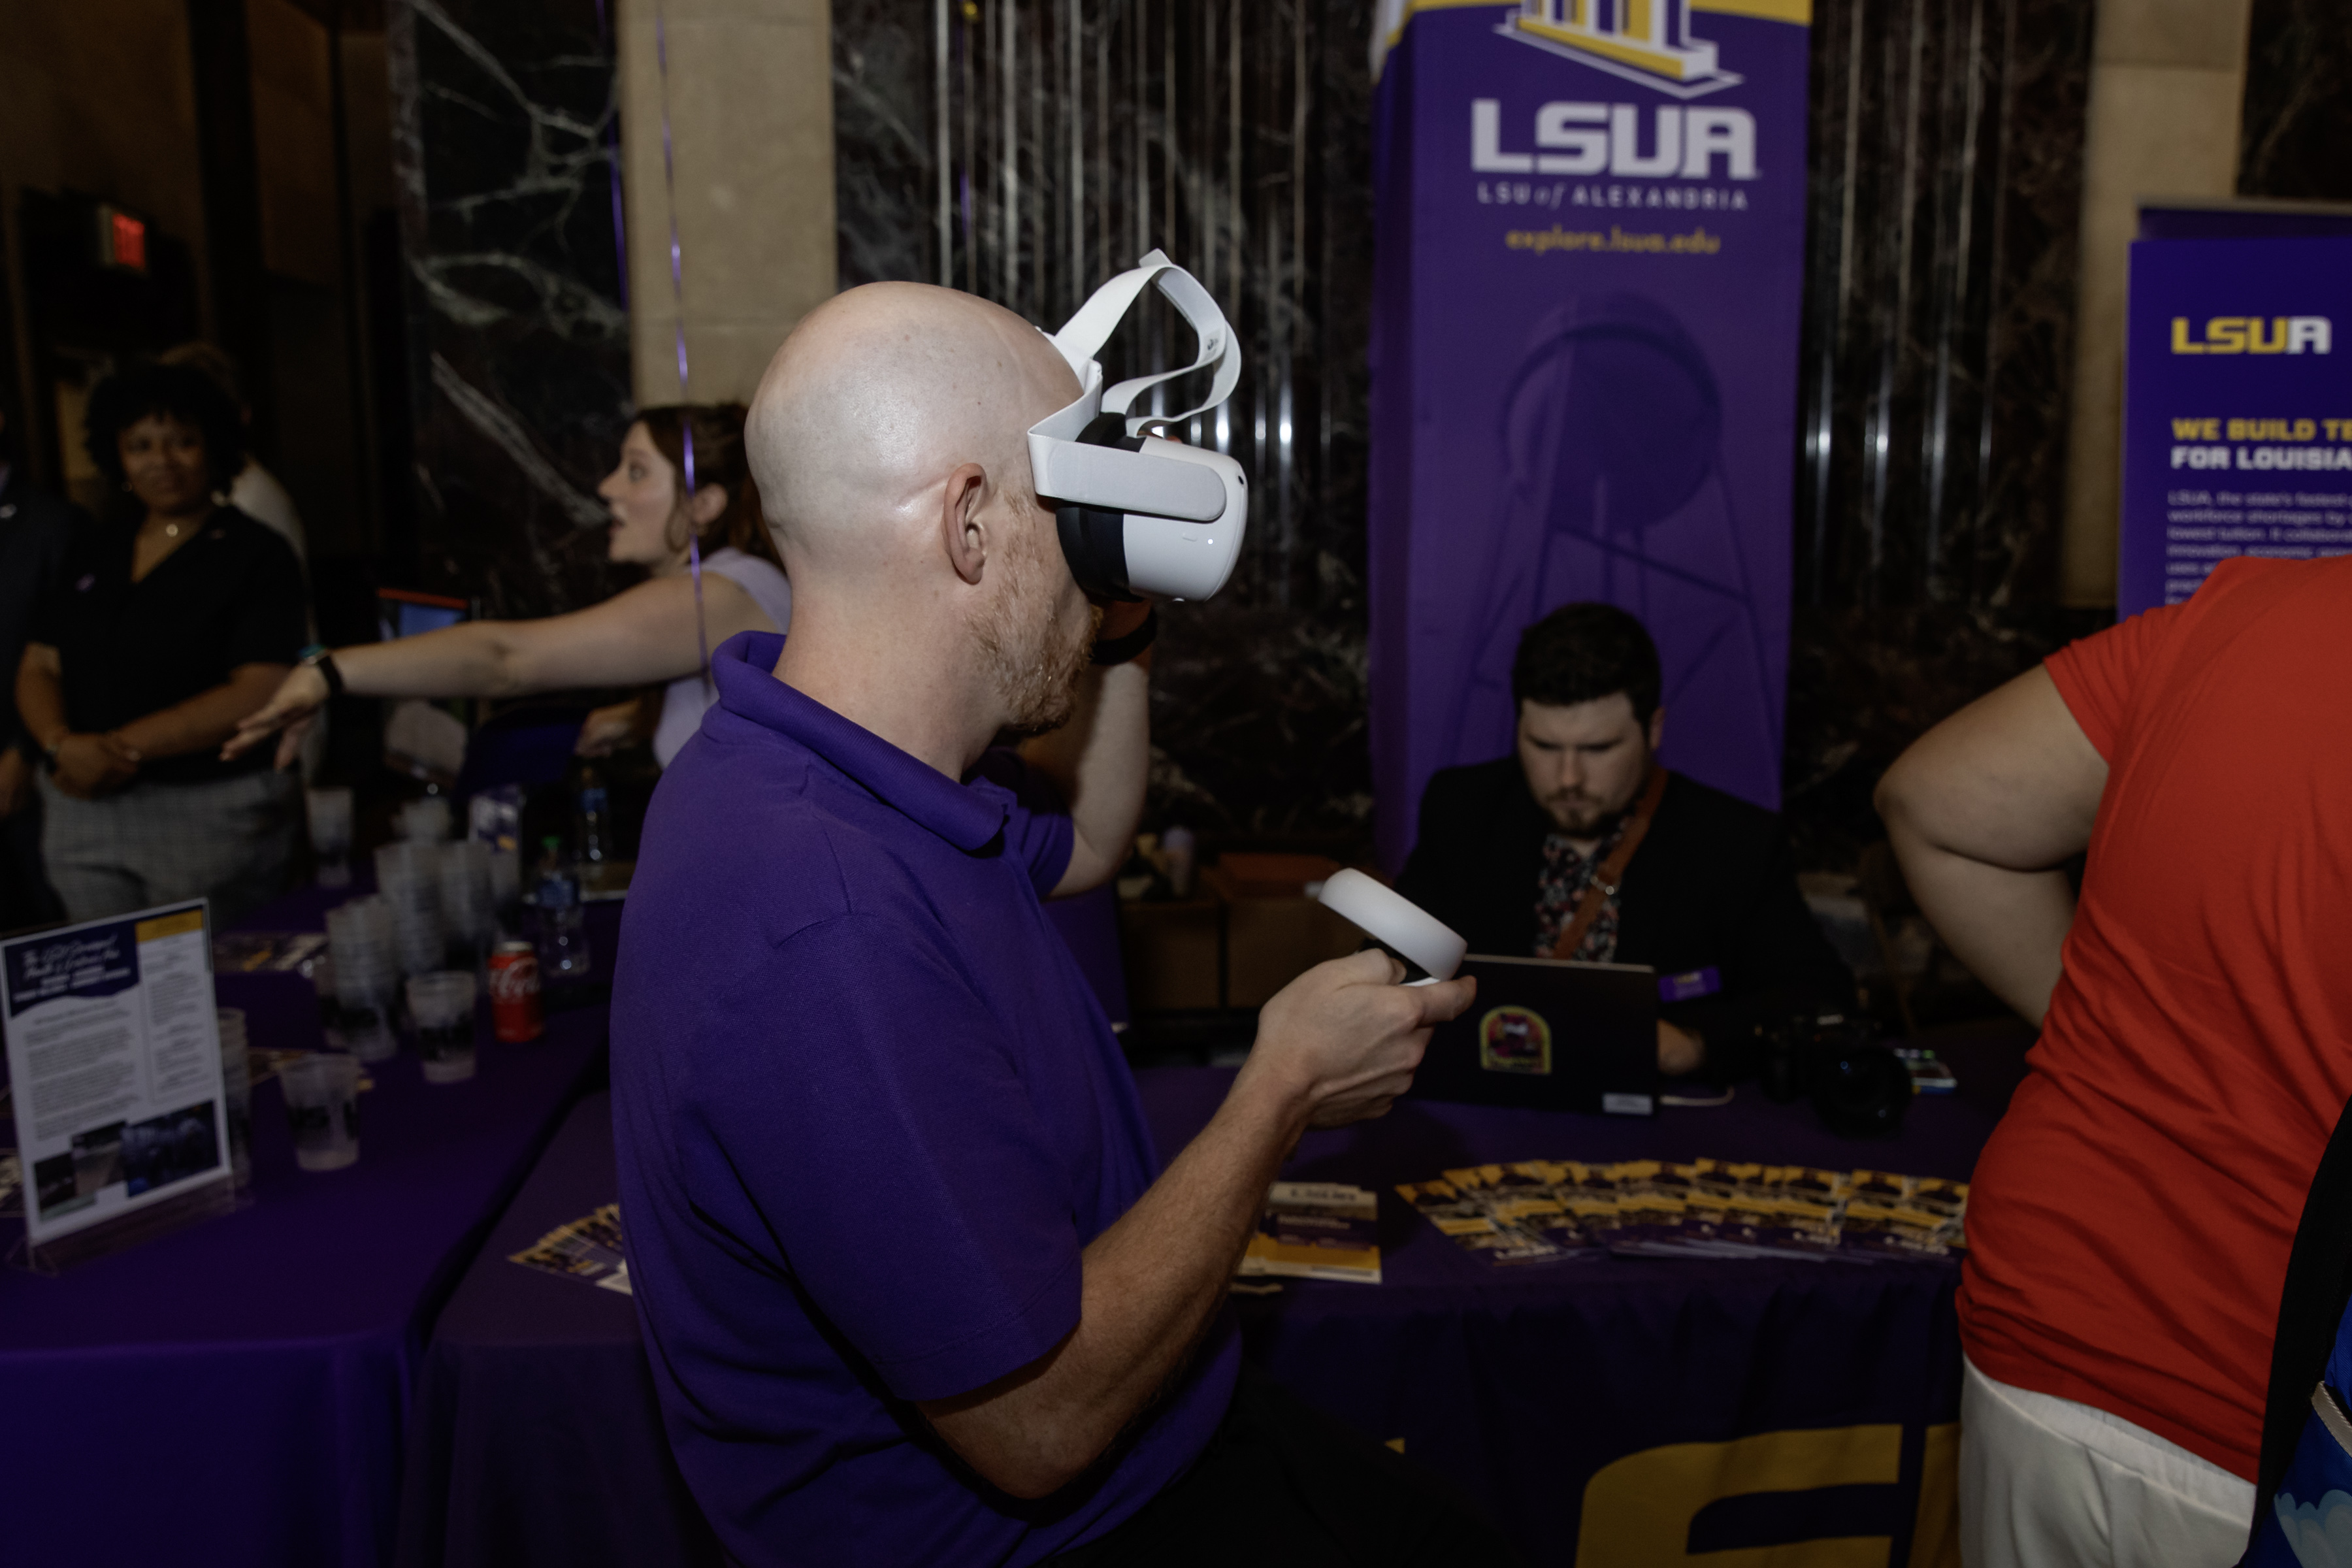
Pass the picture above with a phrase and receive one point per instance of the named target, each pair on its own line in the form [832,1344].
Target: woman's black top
[231,596]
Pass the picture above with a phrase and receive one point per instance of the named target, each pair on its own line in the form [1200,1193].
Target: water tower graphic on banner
[1610,442]
[1587,294]
[1649,41]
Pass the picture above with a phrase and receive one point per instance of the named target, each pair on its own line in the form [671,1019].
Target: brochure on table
[114,1055]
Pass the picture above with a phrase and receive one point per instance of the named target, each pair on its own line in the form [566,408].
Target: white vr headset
[1139,514]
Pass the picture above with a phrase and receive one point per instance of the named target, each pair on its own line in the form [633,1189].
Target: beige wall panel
[750,114]
[2203,35]
[2167,88]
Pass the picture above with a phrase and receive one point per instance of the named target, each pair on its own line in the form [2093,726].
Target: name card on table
[115,1066]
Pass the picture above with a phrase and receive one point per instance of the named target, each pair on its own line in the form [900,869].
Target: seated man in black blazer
[1509,851]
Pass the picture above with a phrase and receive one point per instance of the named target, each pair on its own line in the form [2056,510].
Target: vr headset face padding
[1094,542]
[1136,514]
[1114,553]
[1094,539]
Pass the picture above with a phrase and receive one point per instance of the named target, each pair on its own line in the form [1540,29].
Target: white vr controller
[1140,515]
[1396,922]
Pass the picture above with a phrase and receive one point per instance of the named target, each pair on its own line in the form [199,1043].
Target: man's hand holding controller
[1341,1042]
[1350,1033]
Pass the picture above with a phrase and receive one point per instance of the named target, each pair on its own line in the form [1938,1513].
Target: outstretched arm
[1101,760]
[638,638]
[203,720]
[1984,810]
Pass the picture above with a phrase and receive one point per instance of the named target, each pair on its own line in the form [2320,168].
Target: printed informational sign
[1587,267]
[2237,408]
[114,1059]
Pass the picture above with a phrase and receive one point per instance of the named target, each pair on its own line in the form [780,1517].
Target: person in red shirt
[2131,1218]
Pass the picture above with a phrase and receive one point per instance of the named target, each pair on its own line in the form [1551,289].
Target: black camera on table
[1860,1089]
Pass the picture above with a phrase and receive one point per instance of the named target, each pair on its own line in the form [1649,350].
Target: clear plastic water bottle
[562,923]
[595,818]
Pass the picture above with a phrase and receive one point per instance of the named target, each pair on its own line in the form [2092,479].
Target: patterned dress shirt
[1560,889]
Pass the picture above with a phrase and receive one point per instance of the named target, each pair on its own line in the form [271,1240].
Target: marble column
[1026,149]
[503,149]
[2298,119]
[747,101]
[1939,353]
[2166,88]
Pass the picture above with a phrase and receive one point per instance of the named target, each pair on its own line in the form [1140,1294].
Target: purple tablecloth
[1522,1385]
[536,1439]
[237,1392]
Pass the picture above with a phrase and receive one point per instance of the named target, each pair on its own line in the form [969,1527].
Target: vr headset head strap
[1083,336]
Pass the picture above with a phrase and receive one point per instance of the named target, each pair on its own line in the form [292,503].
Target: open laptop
[1546,1035]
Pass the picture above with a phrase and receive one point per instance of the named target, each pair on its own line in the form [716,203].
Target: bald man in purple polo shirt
[916,1287]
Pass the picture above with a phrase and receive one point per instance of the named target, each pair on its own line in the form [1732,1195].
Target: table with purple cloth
[536,1439]
[1698,1404]
[238,1391]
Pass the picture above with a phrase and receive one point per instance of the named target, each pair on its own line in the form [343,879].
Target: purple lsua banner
[1590,240]
[2237,399]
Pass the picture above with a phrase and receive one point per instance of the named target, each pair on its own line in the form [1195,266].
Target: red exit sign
[121,239]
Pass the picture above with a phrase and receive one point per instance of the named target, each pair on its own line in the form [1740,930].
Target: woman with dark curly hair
[172,619]
[658,633]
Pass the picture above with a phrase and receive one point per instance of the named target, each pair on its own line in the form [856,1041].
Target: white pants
[2049,1483]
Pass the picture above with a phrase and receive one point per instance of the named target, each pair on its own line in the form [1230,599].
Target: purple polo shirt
[869,1113]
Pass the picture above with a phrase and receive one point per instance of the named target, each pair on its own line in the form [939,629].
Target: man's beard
[1035,663]
[1577,815]
[1580,817]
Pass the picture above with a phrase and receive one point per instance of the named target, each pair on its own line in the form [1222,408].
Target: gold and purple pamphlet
[1317,1230]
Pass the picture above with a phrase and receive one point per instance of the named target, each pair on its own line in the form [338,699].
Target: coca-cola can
[514,992]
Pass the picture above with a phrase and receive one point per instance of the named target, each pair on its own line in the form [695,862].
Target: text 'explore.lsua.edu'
[1697,242]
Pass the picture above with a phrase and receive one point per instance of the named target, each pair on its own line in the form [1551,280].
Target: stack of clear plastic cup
[322,1107]
[367,975]
[330,814]
[425,821]
[408,878]
[442,1006]
[465,912]
[237,1091]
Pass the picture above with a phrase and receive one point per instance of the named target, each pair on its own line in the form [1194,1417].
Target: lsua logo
[2253,335]
[1648,41]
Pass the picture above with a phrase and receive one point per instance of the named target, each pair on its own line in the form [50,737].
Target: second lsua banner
[1589,225]
[2237,401]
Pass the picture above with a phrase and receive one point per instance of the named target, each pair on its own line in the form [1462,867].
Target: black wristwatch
[1121,650]
[320,660]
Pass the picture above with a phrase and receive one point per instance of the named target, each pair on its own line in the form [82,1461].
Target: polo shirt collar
[967,815]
